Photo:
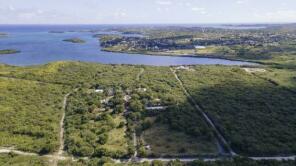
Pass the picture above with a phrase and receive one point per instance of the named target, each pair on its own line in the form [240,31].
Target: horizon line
[222,23]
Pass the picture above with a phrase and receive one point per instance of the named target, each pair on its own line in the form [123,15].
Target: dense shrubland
[30,114]
[179,118]
[256,116]
[95,129]
[234,162]
[16,160]
[76,74]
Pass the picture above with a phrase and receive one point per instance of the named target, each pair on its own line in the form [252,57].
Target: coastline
[188,55]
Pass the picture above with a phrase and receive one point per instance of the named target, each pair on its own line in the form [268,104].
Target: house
[157,100]
[199,47]
[142,89]
[156,108]
[99,91]
[183,68]
[148,147]
[104,101]
[127,98]
[110,92]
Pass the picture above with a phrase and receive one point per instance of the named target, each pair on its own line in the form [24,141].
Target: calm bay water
[38,46]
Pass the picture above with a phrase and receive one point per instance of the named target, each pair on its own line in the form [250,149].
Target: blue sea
[38,45]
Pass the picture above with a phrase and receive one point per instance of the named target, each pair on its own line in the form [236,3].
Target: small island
[56,32]
[2,34]
[74,40]
[9,51]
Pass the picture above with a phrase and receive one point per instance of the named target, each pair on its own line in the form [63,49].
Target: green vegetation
[30,113]
[255,115]
[274,45]
[234,99]
[167,132]
[76,74]
[74,40]
[253,110]
[164,141]
[9,51]
[242,162]
[234,162]
[16,160]
[282,77]
[88,118]
[92,130]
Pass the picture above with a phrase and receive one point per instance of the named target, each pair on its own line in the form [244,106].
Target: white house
[142,89]
[156,108]
[183,68]
[99,91]
[127,98]
[199,47]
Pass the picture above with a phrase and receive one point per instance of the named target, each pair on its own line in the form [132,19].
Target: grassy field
[283,77]
[30,113]
[256,116]
[164,141]
[117,138]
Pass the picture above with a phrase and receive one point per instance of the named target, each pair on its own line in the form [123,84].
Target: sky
[146,11]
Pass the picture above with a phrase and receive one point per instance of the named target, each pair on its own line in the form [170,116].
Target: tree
[136,106]
[119,109]
[142,152]
[157,163]
[103,138]
[175,163]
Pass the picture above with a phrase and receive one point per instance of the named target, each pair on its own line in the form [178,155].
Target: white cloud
[187,4]
[11,8]
[240,2]
[11,14]
[162,2]
[200,10]
[120,13]
[277,16]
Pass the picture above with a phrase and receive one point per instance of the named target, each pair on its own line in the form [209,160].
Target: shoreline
[125,64]
[188,56]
